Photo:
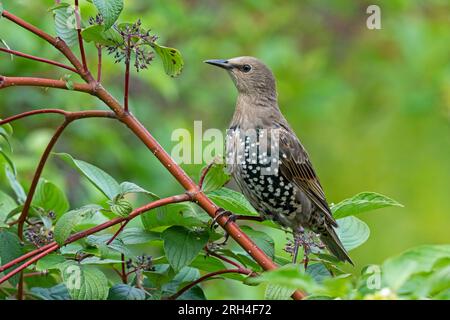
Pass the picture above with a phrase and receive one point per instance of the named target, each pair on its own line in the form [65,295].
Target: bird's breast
[255,160]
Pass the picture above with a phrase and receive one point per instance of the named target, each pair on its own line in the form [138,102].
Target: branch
[206,277]
[42,252]
[6,82]
[28,56]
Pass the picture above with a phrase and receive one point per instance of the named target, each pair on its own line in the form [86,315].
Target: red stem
[6,82]
[127,79]
[99,63]
[39,59]
[80,38]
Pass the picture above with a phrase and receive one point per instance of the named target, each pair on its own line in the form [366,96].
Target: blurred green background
[371,106]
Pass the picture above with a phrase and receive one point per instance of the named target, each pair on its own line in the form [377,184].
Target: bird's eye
[246,68]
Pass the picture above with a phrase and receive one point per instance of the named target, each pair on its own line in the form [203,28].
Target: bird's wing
[297,168]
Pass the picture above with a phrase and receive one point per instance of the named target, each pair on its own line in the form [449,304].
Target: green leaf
[97,35]
[10,249]
[110,10]
[68,221]
[362,202]
[84,282]
[15,185]
[397,270]
[121,207]
[262,240]
[181,214]
[99,178]
[101,240]
[125,292]
[51,261]
[352,231]
[50,197]
[171,58]
[58,292]
[7,204]
[182,245]
[138,236]
[130,187]
[277,292]
[216,177]
[232,201]
[287,276]
[318,271]
[65,25]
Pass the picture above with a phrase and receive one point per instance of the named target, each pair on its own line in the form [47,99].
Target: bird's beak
[220,63]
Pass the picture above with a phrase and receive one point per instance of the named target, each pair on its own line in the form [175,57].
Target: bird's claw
[220,213]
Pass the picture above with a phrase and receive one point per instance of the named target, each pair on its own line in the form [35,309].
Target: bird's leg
[300,239]
[233,218]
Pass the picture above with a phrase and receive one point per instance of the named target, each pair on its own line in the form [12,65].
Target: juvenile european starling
[267,160]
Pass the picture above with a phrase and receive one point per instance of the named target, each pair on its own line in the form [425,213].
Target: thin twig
[80,38]
[39,59]
[99,63]
[205,277]
[127,77]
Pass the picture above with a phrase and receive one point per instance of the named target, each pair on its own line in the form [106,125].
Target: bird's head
[249,74]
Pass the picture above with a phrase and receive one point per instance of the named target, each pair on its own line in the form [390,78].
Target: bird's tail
[332,242]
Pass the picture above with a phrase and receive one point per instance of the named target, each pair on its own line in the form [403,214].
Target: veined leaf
[171,58]
[262,240]
[232,201]
[15,185]
[68,221]
[397,270]
[182,245]
[58,292]
[216,177]
[352,231]
[50,197]
[97,34]
[110,10]
[99,178]
[181,214]
[65,25]
[287,276]
[362,202]
[125,292]
[10,249]
[84,282]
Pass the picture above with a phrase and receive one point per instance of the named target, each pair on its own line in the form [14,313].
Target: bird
[270,164]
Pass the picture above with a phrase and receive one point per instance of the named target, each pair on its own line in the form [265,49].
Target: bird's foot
[301,239]
[220,213]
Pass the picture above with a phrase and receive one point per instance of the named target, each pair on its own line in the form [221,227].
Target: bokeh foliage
[372,107]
